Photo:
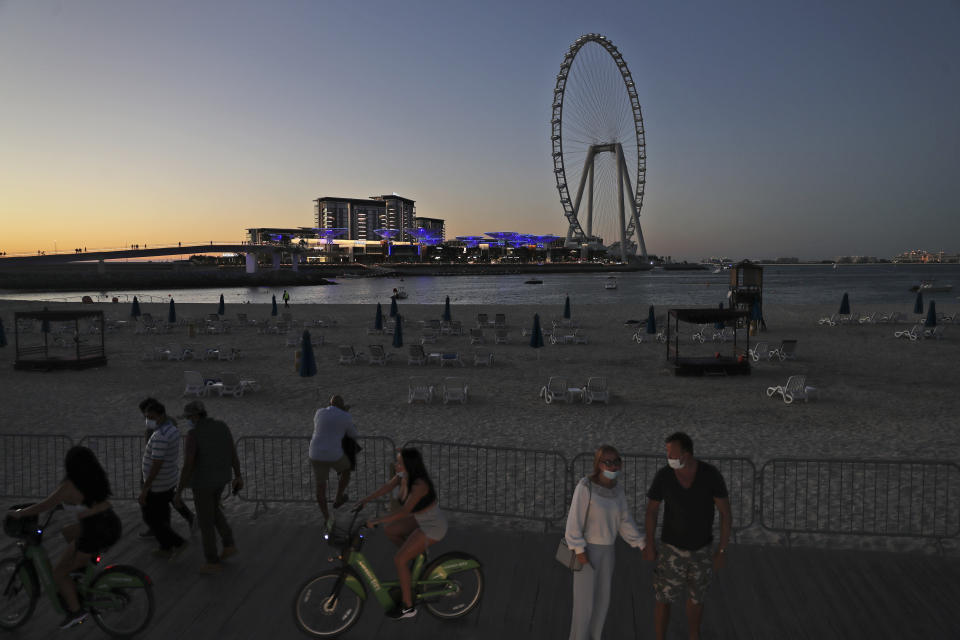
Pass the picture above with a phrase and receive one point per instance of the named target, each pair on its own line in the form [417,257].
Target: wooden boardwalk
[764,593]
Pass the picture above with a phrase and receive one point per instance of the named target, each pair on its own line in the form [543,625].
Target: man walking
[159,469]
[690,488]
[182,509]
[286,299]
[210,455]
[330,425]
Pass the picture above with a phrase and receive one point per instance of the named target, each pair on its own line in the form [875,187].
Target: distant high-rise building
[436,226]
[362,217]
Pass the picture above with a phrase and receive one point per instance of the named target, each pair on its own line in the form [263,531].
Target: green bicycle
[328,604]
[119,598]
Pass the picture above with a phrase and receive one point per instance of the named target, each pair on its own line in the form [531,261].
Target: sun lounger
[500,336]
[416,355]
[455,389]
[579,337]
[378,355]
[500,320]
[934,332]
[703,333]
[830,320]
[348,355]
[428,336]
[476,336]
[795,389]
[482,320]
[596,391]
[482,357]
[450,358]
[786,351]
[194,384]
[759,349]
[555,390]
[419,389]
[232,385]
[914,333]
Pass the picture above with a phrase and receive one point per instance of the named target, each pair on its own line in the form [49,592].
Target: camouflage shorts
[678,569]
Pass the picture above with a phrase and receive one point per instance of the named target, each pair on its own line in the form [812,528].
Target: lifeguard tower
[746,291]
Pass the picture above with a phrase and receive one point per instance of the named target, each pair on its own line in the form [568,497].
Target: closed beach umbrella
[446,310]
[918,304]
[172,313]
[931,320]
[273,310]
[845,306]
[393,308]
[378,319]
[308,364]
[45,326]
[3,335]
[135,308]
[719,323]
[651,321]
[220,307]
[566,308]
[398,332]
[536,335]
[755,313]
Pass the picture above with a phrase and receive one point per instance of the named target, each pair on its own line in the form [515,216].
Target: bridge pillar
[295,261]
[276,260]
[251,259]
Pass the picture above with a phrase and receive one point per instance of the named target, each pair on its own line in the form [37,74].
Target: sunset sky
[811,128]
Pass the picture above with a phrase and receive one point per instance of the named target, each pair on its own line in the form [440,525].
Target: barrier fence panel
[31,466]
[277,468]
[640,469]
[121,457]
[500,481]
[915,498]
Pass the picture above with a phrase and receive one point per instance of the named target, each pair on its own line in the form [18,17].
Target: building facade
[435,226]
[362,217]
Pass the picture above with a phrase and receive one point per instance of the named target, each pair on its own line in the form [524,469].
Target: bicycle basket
[23,528]
[340,531]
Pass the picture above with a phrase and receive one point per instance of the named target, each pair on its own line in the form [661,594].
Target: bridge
[251,251]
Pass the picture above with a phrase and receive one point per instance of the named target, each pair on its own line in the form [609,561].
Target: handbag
[351,448]
[565,555]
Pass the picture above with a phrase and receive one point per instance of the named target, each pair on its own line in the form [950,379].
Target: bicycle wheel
[120,599]
[462,594]
[17,600]
[320,614]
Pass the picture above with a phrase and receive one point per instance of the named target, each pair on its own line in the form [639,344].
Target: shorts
[432,522]
[321,468]
[679,568]
[99,532]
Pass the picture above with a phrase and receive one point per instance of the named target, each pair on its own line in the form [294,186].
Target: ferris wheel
[599,150]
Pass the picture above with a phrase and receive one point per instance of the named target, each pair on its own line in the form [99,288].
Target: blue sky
[807,129]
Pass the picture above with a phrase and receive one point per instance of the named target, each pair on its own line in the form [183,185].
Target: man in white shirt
[160,473]
[330,425]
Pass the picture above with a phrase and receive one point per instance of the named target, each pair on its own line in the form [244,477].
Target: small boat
[928,286]
[399,293]
[611,283]
[717,270]
[534,281]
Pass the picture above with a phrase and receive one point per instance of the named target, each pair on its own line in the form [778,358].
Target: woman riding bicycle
[416,525]
[98,528]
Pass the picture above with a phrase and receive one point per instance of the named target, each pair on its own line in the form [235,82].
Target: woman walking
[598,512]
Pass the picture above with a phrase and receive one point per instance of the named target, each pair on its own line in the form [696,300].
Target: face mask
[151,423]
[401,474]
[610,475]
[675,463]
[191,423]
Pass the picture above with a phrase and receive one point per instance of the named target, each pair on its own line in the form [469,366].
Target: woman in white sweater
[598,512]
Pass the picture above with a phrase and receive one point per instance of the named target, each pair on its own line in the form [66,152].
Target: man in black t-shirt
[690,489]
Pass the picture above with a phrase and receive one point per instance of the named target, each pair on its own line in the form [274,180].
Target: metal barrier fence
[500,481]
[31,466]
[121,457]
[640,469]
[277,468]
[915,498]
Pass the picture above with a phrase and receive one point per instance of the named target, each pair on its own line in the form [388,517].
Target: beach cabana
[746,289]
[736,363]
[67,349]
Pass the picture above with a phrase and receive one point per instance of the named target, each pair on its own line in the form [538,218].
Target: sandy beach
[879,397]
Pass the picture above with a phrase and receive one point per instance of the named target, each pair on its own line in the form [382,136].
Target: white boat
[928,286]
[399,293]
[718,270]
[611,283]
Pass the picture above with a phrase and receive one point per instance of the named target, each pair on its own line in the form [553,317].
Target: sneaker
[342,501]
[401,612]
[211,568]
[176,551]
[73,618]
[229,551]
[146,535]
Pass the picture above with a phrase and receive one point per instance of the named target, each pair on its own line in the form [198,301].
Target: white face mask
[675,463]
[151,423]
[401,474]
[610,475]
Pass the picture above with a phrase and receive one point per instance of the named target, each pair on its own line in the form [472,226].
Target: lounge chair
[723,335]
[482,320]
[476,336]
[455,389]
[194,384]
[428,335]
[378,355]
[896,316]
[482,357]
[579,337]
[786,351]
[795,389]
[759,349]
[934,332]
[416,355]
[456,328]
[348,355]
[873,318]
[596,391]
[178,352]
[227,353]
[703,332]
[850,318]
[500,335]
[231,385]
[830,320]
[419,389]
[555,390]
[914,333]
[500,320]
[561,338]
[451,358]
